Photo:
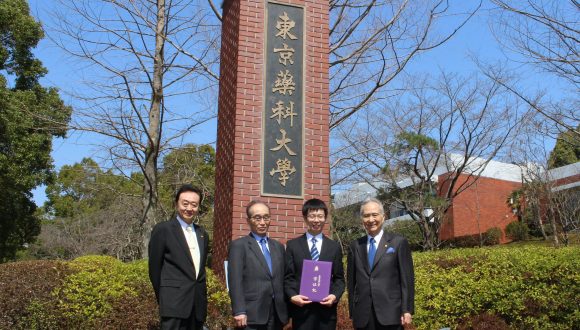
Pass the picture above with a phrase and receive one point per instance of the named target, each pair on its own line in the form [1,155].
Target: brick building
[481,206]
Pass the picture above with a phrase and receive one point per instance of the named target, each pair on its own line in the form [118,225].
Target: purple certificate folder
[315,282]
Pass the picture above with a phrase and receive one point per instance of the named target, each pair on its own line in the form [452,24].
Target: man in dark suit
[380,277]
[177,257]
[256,275]
[313,245]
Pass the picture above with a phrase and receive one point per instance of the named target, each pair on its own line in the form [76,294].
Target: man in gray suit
[177,256]
[380,277]
[256,275]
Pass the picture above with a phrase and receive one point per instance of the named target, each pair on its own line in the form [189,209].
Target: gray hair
[372,200]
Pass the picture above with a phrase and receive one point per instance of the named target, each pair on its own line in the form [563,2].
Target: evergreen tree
[566,151]
[30,116]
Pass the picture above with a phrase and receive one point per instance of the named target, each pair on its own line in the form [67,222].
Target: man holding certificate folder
[314,278]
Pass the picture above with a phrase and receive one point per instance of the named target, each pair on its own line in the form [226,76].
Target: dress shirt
[258,238]
[192,243]
[184,224]
[318,241]
[377,240]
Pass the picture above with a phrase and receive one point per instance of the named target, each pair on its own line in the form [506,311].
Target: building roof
[565,177]
[476,166]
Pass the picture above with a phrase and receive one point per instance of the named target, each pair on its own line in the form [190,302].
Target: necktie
[372,252]
[314,251]
[193,248]
[264,245]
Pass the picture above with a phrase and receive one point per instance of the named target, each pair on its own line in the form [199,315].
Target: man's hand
[241,321]
[328,301]
[300,300]
[406,319]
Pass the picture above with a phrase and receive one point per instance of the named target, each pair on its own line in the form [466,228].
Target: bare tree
[543,35]
[148,61]
[430,146]
[108,231]
[548,203]
[567,211]
[372,42]
[143,53]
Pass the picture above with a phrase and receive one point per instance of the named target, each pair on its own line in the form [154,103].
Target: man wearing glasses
[256,275]
[313,245]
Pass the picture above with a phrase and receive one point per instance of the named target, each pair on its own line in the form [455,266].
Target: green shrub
[96,283]
[517,231]
[137,308]
[484,321]
[41,315]
[26,300]
[483,288]
[343,319]
[219,312]
[467,241]
[525,287]
[493,236]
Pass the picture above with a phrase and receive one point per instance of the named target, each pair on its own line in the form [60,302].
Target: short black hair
[186,188]
[252,203]
[313,205]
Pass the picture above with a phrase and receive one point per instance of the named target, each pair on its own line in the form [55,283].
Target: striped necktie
[314,251]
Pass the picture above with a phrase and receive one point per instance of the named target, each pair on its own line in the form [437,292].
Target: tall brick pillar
[251,131]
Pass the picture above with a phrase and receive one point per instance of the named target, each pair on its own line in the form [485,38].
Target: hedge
[479,288]
[526,287]
[91,292]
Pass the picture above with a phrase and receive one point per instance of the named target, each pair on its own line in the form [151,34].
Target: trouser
[375,325]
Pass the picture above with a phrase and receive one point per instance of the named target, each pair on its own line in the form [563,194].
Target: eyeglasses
[259,218]
[316,216]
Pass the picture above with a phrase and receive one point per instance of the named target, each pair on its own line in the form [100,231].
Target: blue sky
[475,38]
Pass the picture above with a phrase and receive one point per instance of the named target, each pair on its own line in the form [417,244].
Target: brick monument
[273,113]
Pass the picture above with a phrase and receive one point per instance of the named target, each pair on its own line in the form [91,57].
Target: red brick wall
[240,123]
[479,207]
[226,132]
[566,180]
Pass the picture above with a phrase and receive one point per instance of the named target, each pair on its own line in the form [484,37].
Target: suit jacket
[172,273]
[389,286]
[250,282]
[313,315]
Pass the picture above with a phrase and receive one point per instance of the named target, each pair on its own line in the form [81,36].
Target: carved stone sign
[283,136]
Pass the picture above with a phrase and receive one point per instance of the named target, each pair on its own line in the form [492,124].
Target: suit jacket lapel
[180,237]
[304,248]
[363,254]
[200,243]
[275,255]
[382,248]
[255,247]
[325,253]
